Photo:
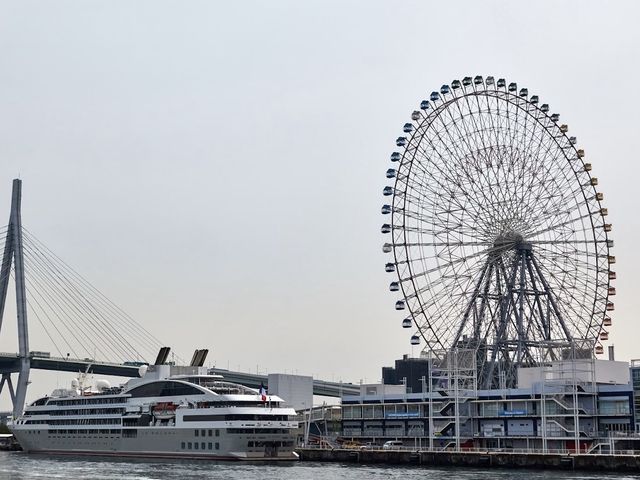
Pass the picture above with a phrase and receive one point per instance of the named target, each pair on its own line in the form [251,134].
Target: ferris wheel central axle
[509,241]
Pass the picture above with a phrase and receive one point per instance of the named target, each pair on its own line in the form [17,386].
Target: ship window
[189,445]
[164,389]
[210,446]
[217,446]
[182,445]
[195,445]
[230,417]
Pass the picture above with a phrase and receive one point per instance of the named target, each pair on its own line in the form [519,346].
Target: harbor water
[17,465]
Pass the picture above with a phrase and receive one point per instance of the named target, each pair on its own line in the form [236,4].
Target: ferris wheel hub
[508,239]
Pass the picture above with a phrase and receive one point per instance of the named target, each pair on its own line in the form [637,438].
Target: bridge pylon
[14,254]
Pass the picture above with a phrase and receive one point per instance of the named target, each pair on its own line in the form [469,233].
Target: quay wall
[613,463]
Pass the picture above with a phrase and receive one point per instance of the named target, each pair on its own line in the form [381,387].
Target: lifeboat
[164,410]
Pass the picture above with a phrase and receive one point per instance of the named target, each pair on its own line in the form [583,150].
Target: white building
[295,390]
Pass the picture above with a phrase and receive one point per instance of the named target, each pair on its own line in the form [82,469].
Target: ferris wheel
[496,229]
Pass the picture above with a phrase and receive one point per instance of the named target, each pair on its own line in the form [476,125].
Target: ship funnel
[199,356]
[163,354]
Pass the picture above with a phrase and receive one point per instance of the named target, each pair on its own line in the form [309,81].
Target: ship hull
[163,442]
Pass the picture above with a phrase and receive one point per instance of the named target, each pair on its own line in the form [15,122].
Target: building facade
[565,405]
[634,372]
[408,371]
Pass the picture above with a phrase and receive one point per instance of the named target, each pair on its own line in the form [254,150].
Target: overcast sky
[216,168]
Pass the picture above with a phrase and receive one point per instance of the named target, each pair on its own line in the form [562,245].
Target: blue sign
[510,413]
[402,415]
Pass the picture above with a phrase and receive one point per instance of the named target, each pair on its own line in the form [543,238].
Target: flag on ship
[263,393]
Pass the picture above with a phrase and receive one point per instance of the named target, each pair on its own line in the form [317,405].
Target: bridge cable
[72,290]
[95,316]
[51,294]
[124,319]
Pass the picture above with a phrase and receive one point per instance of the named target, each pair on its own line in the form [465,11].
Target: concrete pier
[613,463]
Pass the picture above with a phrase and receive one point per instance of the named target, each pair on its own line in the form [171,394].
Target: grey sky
[216,168]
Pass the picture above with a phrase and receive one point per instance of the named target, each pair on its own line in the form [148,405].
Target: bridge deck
[10,362]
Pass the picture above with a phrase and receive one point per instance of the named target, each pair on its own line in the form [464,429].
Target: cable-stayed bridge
[86,331]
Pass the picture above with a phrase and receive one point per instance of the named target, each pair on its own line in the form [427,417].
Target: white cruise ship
[170,412]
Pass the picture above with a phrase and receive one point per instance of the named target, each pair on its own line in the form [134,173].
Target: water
[16,465]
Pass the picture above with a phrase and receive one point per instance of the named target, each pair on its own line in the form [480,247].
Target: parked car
[392,444]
